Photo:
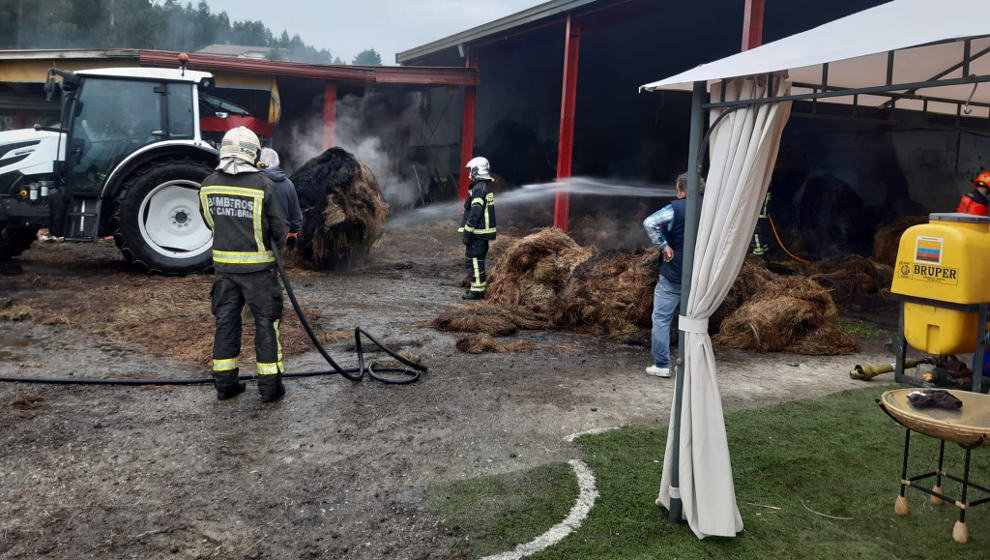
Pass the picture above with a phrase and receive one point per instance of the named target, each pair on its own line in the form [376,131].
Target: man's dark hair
[682,180]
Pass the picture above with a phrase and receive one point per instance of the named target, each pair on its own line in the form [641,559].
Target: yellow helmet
[240,143]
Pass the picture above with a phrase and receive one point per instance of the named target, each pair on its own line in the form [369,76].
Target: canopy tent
[906,54]
[907,51]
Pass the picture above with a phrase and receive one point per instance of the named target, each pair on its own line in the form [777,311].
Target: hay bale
[343,210]
[532,271]
[610,294]
[787,309]
[753,278]
[478,343]
[888,238]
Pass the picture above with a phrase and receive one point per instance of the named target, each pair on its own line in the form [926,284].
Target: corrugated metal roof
[518,19]
[336,73]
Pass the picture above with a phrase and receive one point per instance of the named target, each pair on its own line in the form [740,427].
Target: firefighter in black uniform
[478,226]
[239,205]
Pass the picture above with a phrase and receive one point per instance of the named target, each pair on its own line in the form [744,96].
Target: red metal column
[467,131]
[568,102]
[752,24]
[467,139]
[329,114]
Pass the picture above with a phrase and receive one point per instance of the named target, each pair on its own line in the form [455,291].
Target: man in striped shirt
[665,228]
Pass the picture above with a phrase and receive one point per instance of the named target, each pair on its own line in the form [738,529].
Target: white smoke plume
[377,132]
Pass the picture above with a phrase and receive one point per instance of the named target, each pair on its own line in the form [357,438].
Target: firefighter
[241,208]
[478,226]
[758,246]
[975,202]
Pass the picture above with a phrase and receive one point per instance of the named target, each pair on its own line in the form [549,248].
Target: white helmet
[479,169]
[240,143]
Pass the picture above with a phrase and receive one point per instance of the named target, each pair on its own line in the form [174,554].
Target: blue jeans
[666,298]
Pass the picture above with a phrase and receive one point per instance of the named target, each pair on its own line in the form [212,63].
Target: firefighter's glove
[467,240]
[290,240]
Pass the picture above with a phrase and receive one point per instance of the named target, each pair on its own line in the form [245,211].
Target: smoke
[376,128]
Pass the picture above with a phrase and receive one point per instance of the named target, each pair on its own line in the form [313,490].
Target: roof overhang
[508,23]
[334,73]
[916,54]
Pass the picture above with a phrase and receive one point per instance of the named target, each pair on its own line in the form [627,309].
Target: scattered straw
[478,343]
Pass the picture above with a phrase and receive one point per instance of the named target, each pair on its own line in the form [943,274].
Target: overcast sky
[346,28]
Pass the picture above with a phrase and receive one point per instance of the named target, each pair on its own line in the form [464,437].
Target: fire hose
[391,375]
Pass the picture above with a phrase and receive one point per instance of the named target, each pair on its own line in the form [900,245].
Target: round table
[968,426]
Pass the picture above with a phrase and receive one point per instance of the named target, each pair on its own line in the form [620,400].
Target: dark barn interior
[841,173]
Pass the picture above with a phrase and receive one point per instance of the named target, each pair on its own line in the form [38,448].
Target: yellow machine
[942,275]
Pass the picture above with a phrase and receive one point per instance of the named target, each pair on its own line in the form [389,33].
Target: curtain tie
[692,324]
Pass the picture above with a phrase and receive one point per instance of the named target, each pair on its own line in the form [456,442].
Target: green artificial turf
[839,455]
[865,330]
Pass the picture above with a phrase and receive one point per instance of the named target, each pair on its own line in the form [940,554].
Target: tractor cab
[126,160]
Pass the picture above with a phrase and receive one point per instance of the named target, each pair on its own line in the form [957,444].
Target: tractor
[126,160]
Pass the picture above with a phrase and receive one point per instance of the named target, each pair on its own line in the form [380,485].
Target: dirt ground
[335,470]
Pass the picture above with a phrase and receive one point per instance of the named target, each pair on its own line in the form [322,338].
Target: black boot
[473,295]
[271,388]
[227,385]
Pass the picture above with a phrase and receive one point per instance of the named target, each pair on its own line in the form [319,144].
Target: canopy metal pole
[690,237]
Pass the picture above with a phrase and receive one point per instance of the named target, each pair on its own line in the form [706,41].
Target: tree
[368,57]
[177,25]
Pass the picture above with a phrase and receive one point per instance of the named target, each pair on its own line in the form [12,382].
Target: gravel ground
[337,469]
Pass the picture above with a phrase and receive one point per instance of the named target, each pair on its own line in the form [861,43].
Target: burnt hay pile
[546,280]
[535,269]
[888,238]
[789,314]
[343,210]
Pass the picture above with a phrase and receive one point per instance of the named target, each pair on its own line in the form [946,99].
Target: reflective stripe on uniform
[478,285]
[225,365]
[477,201]
[257,224]
[205,205]
[278,340]
[236,191]
[269,368]
[243,257]
[481,231]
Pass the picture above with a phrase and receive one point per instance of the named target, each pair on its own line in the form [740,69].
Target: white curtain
[743,151]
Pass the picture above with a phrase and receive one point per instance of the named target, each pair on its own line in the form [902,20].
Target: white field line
[591,432]
[586,499]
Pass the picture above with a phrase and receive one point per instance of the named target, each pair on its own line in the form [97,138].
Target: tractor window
[113,118]
[180,111]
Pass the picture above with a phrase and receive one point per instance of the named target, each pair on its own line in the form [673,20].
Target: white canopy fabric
[744,149]
[926,36]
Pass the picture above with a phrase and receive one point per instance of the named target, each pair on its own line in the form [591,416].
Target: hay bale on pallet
[531,273]
[786,311]
[888,238]
[343,210]
[478,343]
[610,294]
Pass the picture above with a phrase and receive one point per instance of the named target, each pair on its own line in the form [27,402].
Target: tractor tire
[156,221]
[15,240]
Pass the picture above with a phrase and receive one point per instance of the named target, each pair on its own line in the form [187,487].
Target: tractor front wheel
[156,221]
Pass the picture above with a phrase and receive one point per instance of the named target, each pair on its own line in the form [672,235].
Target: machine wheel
[156,220]
[15,240]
